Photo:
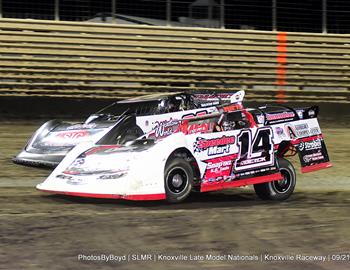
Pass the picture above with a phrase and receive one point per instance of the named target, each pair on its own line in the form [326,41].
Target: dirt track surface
[40,231]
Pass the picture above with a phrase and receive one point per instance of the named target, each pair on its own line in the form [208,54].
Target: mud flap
[313,154]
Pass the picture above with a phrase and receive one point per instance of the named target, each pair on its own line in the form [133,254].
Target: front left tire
[178,180]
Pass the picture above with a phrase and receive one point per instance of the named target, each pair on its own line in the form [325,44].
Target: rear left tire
[278,190]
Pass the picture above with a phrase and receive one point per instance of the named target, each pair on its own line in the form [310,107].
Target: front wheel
[278,190]
[178,180]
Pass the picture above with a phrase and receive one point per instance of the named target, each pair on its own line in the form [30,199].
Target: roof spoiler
[222,98]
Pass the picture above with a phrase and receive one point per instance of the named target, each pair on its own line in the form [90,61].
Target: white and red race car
[213,152]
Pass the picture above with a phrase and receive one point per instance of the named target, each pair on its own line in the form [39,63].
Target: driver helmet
[228,125]
[162,106]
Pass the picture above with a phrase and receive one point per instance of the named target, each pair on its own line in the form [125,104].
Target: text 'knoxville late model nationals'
[228,146]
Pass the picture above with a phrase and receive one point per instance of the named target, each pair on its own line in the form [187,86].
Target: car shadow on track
[195,200]
[217,200]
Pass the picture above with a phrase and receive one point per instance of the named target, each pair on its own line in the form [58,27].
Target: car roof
[151,97]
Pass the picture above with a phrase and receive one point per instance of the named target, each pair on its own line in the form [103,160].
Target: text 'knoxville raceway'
[229,148]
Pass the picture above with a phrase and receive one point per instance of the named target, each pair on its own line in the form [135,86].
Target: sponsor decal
[313,157]
[311,113]
[302,130]
[302,126]
[291,132]
[252,161]
[214,146]
[65,177]
[260,119]
[238,96]
[280,132]
[251,173]
[200,127]
[166,127]
[207,104]
[78,162]
[74,169]
[300,114]
[73,135]
[279,116]
[315,131]
[301,146]
[51,142]
[82,126]
[116,175]
[232,107]
[219,169]
[76,181]
[312,145]
[213,96]
[312,151]
[303,133]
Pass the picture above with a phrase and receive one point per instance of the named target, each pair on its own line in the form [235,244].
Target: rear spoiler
[210,99]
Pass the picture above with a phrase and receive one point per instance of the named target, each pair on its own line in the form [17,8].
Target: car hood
[105,159]
[95,169]
[66,136]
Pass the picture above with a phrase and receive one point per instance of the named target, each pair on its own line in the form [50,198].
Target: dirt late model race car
[116,124]
[207,153]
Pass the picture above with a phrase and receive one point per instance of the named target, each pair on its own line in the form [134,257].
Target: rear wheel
[178,180]
[278,190]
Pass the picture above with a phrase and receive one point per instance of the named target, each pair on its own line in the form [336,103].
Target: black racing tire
[178,180]
[278,190]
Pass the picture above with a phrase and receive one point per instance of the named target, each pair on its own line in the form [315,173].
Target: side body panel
[234,158]
[166,124]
